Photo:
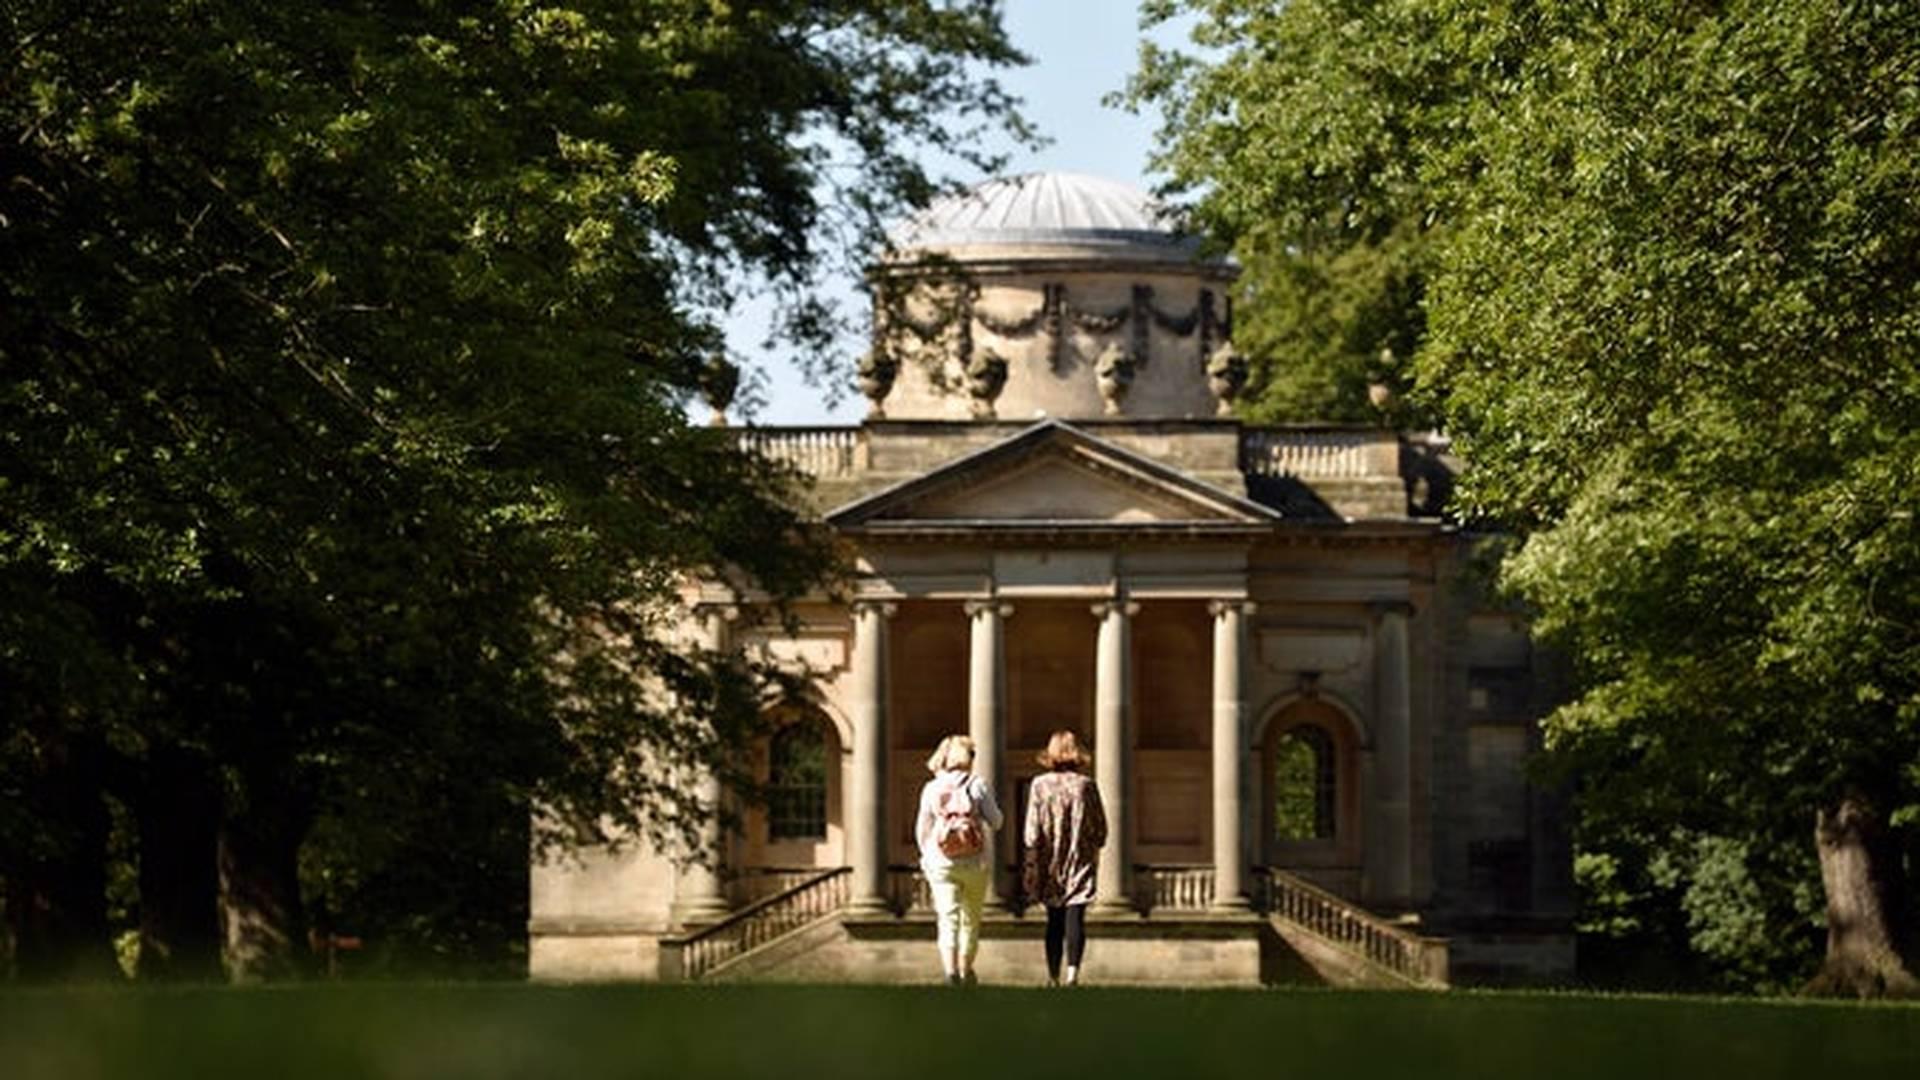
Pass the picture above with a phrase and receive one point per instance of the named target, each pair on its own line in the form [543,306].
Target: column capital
[1104,608]
[726,610]
[882,607]
[1381,608]
[1238,604]
[988,605]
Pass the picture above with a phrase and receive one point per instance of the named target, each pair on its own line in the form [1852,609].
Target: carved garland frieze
[949,333]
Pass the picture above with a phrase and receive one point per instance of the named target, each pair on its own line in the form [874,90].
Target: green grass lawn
[498,1030]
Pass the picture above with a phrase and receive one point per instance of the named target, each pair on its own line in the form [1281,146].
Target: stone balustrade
[907,891]
[816,451]
[1170,888]
[1421,961]
[695,955]
[1319,454]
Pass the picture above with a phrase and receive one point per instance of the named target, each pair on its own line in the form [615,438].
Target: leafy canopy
[1665,301]
[346,351]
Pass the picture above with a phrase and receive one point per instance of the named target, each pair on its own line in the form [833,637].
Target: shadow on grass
[847,1033]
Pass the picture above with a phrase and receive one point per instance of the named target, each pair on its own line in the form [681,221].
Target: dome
[1055,294]
[1050,210]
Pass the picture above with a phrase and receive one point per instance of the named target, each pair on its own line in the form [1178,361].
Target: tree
[343,460]
[1670,319]
[1701,395]
[1307,132]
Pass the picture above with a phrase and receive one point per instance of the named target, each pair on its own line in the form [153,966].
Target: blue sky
[1081,50]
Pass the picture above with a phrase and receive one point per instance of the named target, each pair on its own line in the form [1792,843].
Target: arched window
[1303,785]
[797,783]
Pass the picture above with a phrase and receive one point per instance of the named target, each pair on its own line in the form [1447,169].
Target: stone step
[1203,950]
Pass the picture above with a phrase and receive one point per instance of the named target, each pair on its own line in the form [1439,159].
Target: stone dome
[1049,213]
[1050,294]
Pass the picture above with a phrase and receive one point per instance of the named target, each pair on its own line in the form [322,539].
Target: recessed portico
[1017,625]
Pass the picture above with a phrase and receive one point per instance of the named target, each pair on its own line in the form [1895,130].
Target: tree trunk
[1863,958]
[262,925]
[56,894]
[179,818]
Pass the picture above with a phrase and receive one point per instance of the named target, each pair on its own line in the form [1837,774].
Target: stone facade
[1213,608]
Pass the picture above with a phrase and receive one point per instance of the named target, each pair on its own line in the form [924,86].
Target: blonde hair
[1063,752]
[954,752]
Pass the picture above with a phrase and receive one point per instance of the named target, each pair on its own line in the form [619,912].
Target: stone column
[866,812]
[1113,753]
[1390,843]
[1229,752]
[700,893]
[987,724]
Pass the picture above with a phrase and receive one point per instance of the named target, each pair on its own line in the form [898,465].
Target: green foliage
[1306,140]
[1668,309]
[1687,910]
[345,351]
[1729,914]
[1606,900]
[1303,786]
[1293,791]
[1700,397]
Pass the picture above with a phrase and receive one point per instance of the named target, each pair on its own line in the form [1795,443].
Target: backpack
[956,828]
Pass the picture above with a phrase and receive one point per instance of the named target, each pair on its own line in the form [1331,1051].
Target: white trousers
[959,891]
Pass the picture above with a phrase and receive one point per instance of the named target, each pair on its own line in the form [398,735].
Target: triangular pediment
[1055,475]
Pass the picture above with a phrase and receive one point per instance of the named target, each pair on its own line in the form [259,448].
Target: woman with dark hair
[1066,827]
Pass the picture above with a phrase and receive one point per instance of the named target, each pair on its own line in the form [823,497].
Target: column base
[868,907]
[1113,907]
[1231,905]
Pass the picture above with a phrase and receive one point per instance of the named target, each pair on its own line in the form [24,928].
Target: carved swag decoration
[949,333]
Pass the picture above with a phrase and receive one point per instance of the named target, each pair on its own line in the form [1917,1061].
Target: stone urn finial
[719,380]
[1226,376]
[986,377]
[1115,369]
[877,369]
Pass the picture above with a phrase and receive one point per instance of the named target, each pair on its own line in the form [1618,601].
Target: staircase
[1338,942]
[1347,945]
[758,934]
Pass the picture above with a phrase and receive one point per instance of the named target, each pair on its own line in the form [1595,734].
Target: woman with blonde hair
[954,831]
[1066,828]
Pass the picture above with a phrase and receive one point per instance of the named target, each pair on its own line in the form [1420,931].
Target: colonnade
[1113,739]
[700,892]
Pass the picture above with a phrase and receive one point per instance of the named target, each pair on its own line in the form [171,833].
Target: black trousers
[1066,929]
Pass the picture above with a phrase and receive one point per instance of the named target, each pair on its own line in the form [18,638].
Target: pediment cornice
[1053,476]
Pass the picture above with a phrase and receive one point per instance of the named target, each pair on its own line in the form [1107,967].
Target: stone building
[1309,726]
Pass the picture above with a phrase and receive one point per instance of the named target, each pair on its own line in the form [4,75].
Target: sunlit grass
[398,1030]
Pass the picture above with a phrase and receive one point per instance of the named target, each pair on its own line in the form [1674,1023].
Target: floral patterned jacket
[1066,827]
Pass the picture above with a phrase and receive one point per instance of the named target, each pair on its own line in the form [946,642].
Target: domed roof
[1049,209]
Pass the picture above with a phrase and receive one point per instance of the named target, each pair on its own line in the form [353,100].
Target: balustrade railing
[1318,454]
[1164,887]
[817,451]
[692,956]
[907,890]
[1419,960]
